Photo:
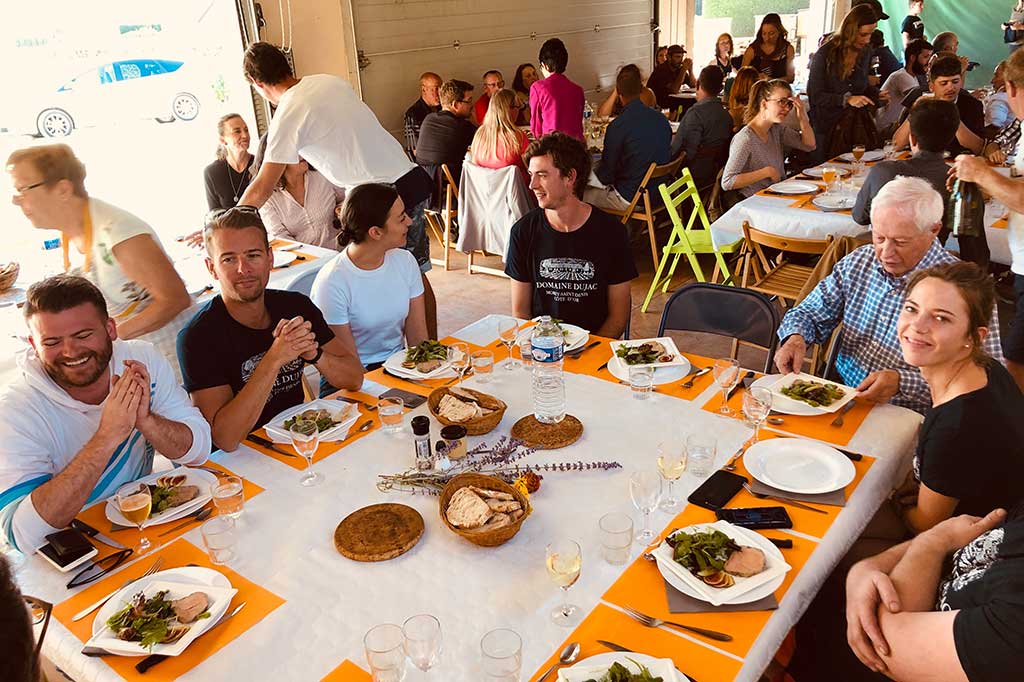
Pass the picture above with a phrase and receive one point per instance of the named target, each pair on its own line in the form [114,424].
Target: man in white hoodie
[86,414]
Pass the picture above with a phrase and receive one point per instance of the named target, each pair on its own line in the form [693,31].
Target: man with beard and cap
[86,413]
[243,354]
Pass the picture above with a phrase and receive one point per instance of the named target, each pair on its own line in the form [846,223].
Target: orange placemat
[1001,224]
[258,603]
[96,517]
[642,587]
[604,622]
[347,672]
[426,386]
[324,450]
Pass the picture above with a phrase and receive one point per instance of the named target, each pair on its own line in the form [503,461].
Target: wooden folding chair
[642,208]
[441,221]
[782,278]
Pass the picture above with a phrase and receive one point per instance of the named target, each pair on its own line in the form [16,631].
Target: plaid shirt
[867,301]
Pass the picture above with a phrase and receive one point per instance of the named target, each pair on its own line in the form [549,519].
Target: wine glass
[858,154]
[671,465]
[135,501]
[564,561]
[305,439]
[458,357]
[757,404]
[508,329]
[727,375]
[645,490]
[422,640]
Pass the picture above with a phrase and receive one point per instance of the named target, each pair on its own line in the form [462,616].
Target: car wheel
[185,106]
[165,119]
[54,123]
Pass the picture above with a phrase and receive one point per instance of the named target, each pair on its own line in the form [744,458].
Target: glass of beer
[134,501]
[858,154]
[829,175]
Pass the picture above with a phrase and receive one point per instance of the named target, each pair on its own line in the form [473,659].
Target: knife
[151,660]
[268,444]
[415,382]
[577,353]
[618,647]
[746,377]
[84,527]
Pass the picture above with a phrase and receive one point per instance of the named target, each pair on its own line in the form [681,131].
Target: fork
[86,611]
[652,622]
[783,500]
[694,374]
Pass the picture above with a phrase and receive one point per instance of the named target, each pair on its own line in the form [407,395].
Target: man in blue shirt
[705,130]
[638,137]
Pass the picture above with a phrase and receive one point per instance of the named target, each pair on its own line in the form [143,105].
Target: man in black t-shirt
[945,82]
[667,78]
[428,103]
[913,26]
[566,258]
[446,135]
[242,355]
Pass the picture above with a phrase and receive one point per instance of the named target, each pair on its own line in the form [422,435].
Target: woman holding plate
[371,293]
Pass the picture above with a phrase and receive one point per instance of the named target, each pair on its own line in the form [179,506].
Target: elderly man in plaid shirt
[865,294]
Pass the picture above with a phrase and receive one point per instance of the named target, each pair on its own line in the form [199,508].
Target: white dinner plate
[575,337]
[662,375]
[394,365]
[595,666]
[833,202]
[786,380]
[346,413]
[794,187]
[283,257]
[197,477]
[869,156]
[798,465]
[678,359]
[818,171]
[745,590]
[180,582]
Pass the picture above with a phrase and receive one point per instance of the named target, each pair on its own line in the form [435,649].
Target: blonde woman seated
[301,208]
[498,143]
[757,154]
[371,293]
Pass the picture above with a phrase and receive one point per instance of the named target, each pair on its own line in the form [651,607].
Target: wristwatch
[316,358]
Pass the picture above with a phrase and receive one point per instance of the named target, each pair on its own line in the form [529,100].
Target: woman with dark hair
[913,75]
[661,56]
[302,207]
[526,76]
[228,176]
[839,74]
[771,53]
[19,654]
[371,293]
[556,103]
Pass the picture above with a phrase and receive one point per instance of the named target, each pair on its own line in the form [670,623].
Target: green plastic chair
[687,240]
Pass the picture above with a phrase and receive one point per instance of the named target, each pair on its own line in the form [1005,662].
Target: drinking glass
[700,453]
[641,380]
[526,351]
[508,329]
[671,465]
[645,491]
[305,439]
[392,414]
[422,635]
[228,496]
[385,652]
[483,365]
[564,561]
[135,502]
[858,153]
[219,537]
[616,537]
[727,375]
[501,653]
[458,356]
[757,405]
[829,175]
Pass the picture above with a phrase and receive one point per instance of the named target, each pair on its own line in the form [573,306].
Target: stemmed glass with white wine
[757,405]
[727,375]
[305,439]
[508,329]
[422,635]
[671,465]
[564,562]
[458,357]
[645,491]
[135,501]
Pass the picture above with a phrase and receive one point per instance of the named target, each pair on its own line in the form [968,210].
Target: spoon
[775,421]
[569,655]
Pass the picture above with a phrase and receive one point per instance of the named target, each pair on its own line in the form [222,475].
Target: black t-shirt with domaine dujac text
[216,350]
[570,271]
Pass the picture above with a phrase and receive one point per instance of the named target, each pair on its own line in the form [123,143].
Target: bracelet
[316,358]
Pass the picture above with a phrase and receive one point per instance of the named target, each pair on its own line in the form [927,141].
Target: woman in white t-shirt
[371,293]
[120,253]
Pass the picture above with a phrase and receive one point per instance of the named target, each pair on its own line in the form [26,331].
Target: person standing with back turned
[556,103]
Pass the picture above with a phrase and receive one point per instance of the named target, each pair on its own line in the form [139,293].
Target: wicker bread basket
[491,538]
[8,276]
[474,427]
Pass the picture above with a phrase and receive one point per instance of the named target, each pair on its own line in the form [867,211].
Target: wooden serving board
[378,532]
[548,436]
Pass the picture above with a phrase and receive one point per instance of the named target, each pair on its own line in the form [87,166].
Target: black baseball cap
[875,5]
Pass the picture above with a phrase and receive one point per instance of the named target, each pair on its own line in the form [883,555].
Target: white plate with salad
[428,360]
[657,353]
[597,667]
[162,485]
[575,336]
[334,418]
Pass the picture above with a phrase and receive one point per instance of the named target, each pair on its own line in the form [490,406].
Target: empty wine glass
[508,329]
[385,652]
[564,562]
[422,640]
[671,465]
[458,356]
[727,375]
[645,491]
[305,439]
[135,501]
[757,405]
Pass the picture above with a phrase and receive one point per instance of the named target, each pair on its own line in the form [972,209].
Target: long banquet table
[285,541]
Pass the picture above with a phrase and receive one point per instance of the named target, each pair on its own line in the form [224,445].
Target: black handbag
[1010,35]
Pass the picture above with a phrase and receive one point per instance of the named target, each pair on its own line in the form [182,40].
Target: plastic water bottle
[588,111]
[547,343]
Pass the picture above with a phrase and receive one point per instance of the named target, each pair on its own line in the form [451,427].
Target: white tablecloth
[285,541]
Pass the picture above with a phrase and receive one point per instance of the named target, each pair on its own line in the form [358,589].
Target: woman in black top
[526,75]
[724,58]
[970,453]
[228,176]
[770,53]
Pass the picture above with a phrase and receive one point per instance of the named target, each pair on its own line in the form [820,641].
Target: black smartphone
[411,400]
[716,492]
[757,518]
